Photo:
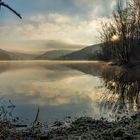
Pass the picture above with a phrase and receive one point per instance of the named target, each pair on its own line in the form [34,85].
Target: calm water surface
[62,89]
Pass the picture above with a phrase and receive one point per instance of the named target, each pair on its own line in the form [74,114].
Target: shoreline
[84,128]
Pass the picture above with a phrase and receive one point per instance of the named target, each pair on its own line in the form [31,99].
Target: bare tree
[108,46]
[121,38]
[121,21]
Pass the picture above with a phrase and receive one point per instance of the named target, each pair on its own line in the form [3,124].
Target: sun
[115,38]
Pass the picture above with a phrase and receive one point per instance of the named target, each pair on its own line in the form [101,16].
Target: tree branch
[7,6]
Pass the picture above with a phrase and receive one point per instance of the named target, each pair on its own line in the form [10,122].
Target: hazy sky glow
[74,22]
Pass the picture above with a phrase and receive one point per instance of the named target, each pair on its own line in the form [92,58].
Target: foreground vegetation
[84,128]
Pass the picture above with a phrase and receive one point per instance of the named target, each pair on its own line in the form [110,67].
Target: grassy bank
[90,129]
[83,128]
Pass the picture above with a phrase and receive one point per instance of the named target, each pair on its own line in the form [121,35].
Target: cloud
[56,27]
[71,21]
[99,8]
[38,46]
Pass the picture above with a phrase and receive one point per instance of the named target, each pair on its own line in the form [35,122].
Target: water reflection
[69,89]
[125,84]
[121,88]
[59,90]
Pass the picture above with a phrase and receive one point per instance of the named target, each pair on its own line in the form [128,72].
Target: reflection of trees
[126,86]
[122,86]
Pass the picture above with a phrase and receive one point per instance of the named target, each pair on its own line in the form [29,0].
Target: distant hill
[21,56]
[53,55]
[83,54]
[7,55]
[4,55]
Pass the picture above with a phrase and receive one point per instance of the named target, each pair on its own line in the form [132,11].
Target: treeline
[121,37]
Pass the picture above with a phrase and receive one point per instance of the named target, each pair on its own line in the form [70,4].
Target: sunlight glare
[115,38]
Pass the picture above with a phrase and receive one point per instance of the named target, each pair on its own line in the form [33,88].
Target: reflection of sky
[58,91]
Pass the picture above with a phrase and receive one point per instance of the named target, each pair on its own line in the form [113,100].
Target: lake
[62,89]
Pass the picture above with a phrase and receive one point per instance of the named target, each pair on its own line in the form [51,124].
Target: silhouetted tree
[121,37]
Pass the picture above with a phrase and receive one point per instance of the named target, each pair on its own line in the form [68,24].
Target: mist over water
[62,89]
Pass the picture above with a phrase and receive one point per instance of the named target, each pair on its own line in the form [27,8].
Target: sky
[53,24]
